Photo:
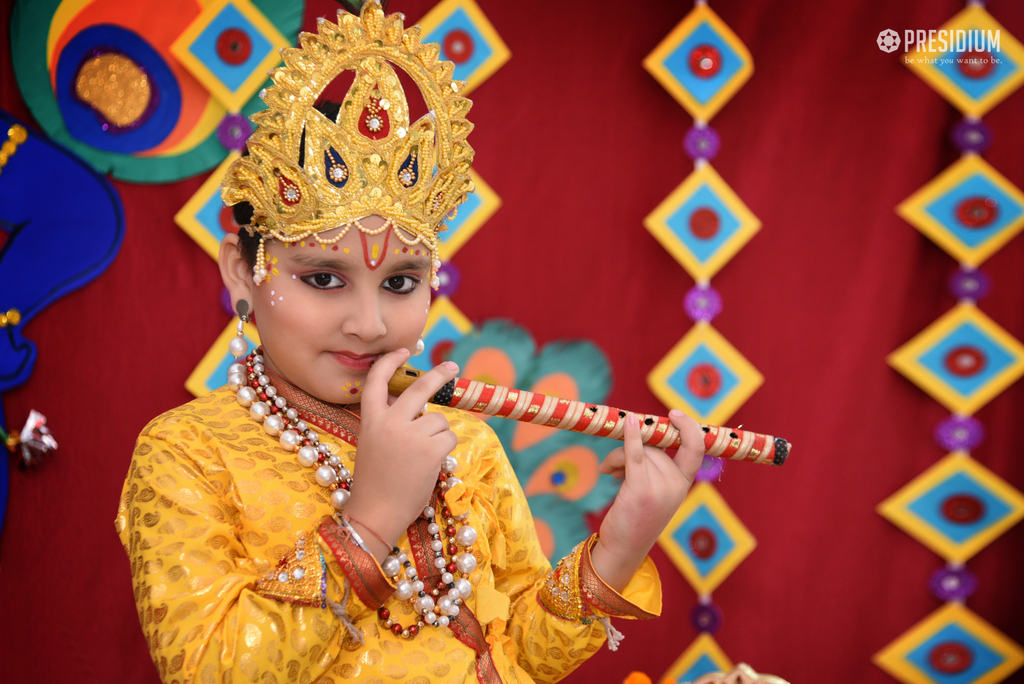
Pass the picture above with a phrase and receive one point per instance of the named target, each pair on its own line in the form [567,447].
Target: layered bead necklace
[435,606]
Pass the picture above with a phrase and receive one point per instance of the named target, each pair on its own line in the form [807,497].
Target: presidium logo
[942,41]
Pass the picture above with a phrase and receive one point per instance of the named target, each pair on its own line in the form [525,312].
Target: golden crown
[372,160]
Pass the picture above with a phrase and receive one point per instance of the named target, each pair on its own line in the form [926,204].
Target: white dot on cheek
[294,276]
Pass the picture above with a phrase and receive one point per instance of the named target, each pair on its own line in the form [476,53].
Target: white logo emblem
[888,40]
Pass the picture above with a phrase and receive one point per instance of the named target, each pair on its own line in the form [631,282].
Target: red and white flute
[592,419]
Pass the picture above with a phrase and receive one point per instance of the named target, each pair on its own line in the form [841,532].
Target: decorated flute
[592,419]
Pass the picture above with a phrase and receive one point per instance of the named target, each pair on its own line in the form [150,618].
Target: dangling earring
[238,346]
[420,346]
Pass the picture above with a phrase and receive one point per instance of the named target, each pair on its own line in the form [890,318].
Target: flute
[592,419]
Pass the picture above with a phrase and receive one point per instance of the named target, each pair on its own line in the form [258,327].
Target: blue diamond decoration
[679,222]
[929,508]
[944,209]
[982,659]
[994,358]
[703,518]
[680,379]
[233,76]
[977,87]
[678,63]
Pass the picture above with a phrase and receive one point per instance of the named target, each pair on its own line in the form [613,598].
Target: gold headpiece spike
[373,159]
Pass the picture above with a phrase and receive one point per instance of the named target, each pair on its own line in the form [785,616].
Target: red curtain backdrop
[581,143]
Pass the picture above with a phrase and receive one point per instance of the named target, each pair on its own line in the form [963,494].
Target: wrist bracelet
[351,519]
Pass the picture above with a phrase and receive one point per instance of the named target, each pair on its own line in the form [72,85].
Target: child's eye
[323,281]
[401,284]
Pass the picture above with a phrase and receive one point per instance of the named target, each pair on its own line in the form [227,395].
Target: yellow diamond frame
[703,645]
[913,209]
[499,51]
[654,63]
[896,509]
[970,18]
[657,223]
[893,658]
[905,360]
[233,100]
[749,379]
[196,382]
[186,216]
[442,307]
[489,203]
[705,494]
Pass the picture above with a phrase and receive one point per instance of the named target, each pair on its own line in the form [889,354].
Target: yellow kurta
[212,503]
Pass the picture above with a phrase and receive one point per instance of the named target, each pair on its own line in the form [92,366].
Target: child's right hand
[400,452]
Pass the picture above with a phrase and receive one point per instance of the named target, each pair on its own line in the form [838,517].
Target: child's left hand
[654,486]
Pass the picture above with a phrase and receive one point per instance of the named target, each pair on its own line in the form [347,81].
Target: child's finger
[375,393]
[413,399]
[615,460]
[633,447]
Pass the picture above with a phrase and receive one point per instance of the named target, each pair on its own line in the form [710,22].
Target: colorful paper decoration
[166,128]
[705,539]
[956,508]
[204,217]
[467,39]
[970,210]
[951,646]
[471,215]
[973,81]
[701,63]
[445,326]
[703,223]
[228,48]
[962,360]
[704,376]
[212,371]
[702,657]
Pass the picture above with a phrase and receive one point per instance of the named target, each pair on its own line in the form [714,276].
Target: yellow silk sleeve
[539,645]
[180,521]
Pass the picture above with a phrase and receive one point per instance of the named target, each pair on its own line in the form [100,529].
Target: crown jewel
[306,173]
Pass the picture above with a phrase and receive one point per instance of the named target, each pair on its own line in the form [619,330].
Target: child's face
[326,314]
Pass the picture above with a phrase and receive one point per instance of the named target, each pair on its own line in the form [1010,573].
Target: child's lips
[358,362]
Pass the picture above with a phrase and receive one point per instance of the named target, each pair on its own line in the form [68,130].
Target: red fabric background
[581,143]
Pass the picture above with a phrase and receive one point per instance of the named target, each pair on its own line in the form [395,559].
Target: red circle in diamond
[976,64]
[705,61]
[950,657]
[441,351]
[963,509]
[965,361]
[704,380]
[704,223]
[234,46]
[458,46]
[702,542]
[227,220]
[977,212]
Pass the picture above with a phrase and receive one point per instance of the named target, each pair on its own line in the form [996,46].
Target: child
[300,524]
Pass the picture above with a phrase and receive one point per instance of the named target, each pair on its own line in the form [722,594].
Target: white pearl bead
[238,347]
[439,562]
[280,402]
[259,410]
[270,391]
[273,425]
[464,587]
[298,573]
[344,473]
[452,481]
[262,273]
[442,621]
[325,476]
[339,497]
[466,563]
[417,586]
[430,618]
[466,536]
[436,545]
[454,611]
[307,456]
[410,572]
[420,346]
[449,464]
[335,460]
[462,516]
[258,358]
[236,368]
[246,396]
[454,594]
[290,440]
[236,381]
[263,380]
[302,426]
[323,448]
[432,528]
[403,592]
[424,604]
[428,512]
[447,577]
[444,604]
[391,566]
[435,282]
[257,368]
[402,557]
[292,414]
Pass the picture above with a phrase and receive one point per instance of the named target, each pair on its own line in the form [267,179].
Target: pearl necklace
[253,388]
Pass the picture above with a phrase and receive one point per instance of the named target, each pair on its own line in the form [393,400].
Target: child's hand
[653,488]
[400,452]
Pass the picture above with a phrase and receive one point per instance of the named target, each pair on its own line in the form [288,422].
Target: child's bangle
[350,520]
